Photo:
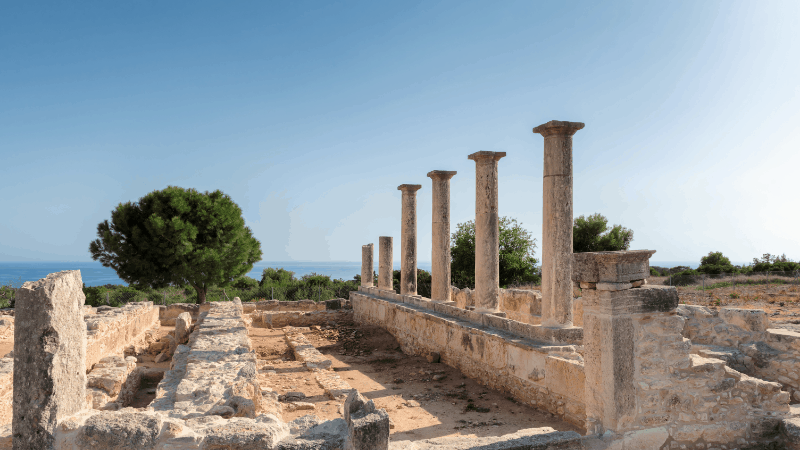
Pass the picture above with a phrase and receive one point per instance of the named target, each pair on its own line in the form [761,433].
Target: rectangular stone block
[49,357]
[565,377]
[646,299]
[613,267]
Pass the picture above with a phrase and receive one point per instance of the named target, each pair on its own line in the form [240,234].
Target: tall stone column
[408,239]
[49,358]
[440,251]
[557,223]
[385,244]
[367,265]
[487,231]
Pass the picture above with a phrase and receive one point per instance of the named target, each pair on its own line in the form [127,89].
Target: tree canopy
[715,263]
[517,249]
[592,234]
[178,237]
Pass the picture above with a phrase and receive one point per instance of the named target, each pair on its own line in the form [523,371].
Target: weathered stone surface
[557,223]
[790,427]
[440,249]
[119,431]
[612,267]
[408,239]
[305,351]
[169,313]
[385,263]
[115,331]
[106,380]
[280,319]
[646,299]
[367,427]
[606,286]
[544,438]
[49,357]
[487,231]
[243,434]
[183,327]
[367,265]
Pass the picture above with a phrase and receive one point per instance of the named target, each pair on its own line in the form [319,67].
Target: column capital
[441,174]
[409,187]
[558,127]
[483,154]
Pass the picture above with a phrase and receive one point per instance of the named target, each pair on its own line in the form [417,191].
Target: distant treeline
[717,264]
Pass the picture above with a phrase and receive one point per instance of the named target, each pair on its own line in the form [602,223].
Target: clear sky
[310,114]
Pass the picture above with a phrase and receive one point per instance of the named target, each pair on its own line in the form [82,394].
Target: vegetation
[177,237]
[715,263]
[592,234]
[517,247]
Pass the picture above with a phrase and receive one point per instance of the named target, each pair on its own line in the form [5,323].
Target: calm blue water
[94,274]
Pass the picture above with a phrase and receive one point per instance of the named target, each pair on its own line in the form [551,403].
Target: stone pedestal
[557,223]
[385,244]
[611,310]
[440,250]
[367,265]
[487,231]
[49,358]
[408,239]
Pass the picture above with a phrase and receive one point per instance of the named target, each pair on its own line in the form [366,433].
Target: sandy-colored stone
[49,357]
[557,222]
[440,248]
[487,231]
[367,265]
[408,239]
[385,263]
[183,327]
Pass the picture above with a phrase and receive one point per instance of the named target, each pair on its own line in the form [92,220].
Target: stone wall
[535,369]
[743,339]
[697,400]
[112,330]
[522,305]
[280,319]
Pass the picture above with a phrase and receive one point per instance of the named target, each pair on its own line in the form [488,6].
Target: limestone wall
[691,400]
[743,339]
[279,319]
[522,305]
[548,375]
[111,330]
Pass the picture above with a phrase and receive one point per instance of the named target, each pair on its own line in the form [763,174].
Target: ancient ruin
[599,359]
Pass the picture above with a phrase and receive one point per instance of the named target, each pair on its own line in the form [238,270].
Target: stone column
[367,265]
[557,223]
[385,263]
[408,240]
[440,250]
[487,232]
[49,358]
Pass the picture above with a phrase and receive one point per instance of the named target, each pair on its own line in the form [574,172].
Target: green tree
[177,237]
[715,263]
[517,249]
[592,234]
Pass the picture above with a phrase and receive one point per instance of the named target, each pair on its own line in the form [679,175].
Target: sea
[94,274]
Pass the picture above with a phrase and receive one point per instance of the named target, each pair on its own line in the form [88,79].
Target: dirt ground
[424,400]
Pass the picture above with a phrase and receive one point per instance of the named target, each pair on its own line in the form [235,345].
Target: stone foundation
[110,331]
[545,373]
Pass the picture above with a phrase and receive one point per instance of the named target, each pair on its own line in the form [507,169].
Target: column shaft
[367,265]
[408,239]
[440,250]
[385,244]
[487,231]
[557,223]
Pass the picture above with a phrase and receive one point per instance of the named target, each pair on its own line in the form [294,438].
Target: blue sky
[310,114]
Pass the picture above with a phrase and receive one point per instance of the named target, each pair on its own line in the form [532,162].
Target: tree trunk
[201,296]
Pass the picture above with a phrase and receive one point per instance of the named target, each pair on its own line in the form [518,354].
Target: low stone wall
[6,389]
[112,330]
[216,370]
[500,353]
[280,319]
[169,313]
[743,339]
[521,305]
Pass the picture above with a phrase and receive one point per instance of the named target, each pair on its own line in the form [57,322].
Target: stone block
[183,326]
[646,299]
[565,377]
[753,320]
[614,267]
[119,431]
[367,428]
[49,357]
[607,286]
